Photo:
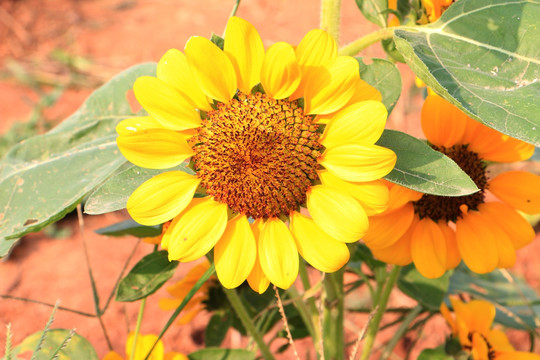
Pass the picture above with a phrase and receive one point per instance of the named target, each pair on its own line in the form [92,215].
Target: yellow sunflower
[471,325]
[435,8]
[271,136]
[142,347]
[436,232]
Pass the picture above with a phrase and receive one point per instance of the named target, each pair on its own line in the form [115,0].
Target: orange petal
[387,228]
[510,221]
[453,257]
[443,123]
[399,253]
[428,249]
[505,248]
[479,349]
[510,150]
[476,243]
[518,189]
[256,279]
[400,195]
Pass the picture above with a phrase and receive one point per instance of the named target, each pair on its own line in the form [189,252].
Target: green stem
[235,8]
[330,17]
[402,329]
[381,302]
[333,337]
[242,313]
[313,310]
[356,46]
[137,329]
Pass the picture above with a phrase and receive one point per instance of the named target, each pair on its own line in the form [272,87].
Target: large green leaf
[113,194]
[77,347]
[146,277]
[518,305]
[483,56]
[374,10]
[384,76]
[428,292]
[421,168]
[130,227]
[44,177]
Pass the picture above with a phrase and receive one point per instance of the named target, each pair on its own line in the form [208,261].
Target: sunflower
[142,347]
[471,325]
[179,291]
[271,136]
[437,232]
[434,9]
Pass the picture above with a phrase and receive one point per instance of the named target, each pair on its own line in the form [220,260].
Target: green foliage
[428,292]
[374,10]
[221,354]
[483,56]
[423,169]
[146,277]
[45,177]
[217,328]
[130,227]
[384,76]
[55,344]
[434,354]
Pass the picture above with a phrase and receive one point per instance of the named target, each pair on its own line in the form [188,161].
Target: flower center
[258,155]
[448,208]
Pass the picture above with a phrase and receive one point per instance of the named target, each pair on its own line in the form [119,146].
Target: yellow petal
[359,163]
[443,123]
[337,213]
[316,48]
[445,312]
[331,86]
[174,355]
[372,195]
[428,249]
[517,355]
[478,315]
[211,68]
[235,252]
[278,254]
[510,221]
[137,124]
[246,52]
[143,346]
[453,257]
[198,229]
[319,249]
[280,75]
[518,189]
[480,348]
[399,253]
[361,123]
[173,68]
[155,148]
[256,279]
[162,197]
[498,340]
[476,243]
[387,228]
[164,103]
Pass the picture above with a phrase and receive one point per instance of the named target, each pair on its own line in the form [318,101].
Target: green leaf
[43,178]
[484,57]
[146,277]
[77,348]
[113,194]
[222,354]
[217,328]
[518,305]
[434,354]
[428,292]
[374,10]
[130,227]
[423,169]
[384,76]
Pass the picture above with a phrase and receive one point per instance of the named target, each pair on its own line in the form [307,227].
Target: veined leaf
[384,76]
[77,347]
[45,177]
[483,56]
[374,10]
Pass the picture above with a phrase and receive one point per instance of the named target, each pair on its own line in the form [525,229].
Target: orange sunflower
[435,8]
[271,135]
[471,325]
[437,232]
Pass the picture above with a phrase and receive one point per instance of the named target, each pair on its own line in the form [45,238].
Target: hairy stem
[331,17]
[356,46]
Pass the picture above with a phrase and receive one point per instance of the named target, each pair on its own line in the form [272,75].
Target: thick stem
[242,313]
[137,329]
[334,341]
[331,17]
[356,46]
[381,308]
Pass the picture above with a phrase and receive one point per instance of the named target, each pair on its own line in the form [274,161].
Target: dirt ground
[78,45]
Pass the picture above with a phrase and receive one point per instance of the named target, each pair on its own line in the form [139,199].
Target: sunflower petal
[164,103]
[319,249]
[331,86]
[453,257]
[517,355]
[399,253]
[361,123]
[256,279]
[337,213]
[428,249]
[211,68]
[400,195]
[505,248]
[387,228]
[315,48]
[359,163]
[173,68]
[280,75]
[480,348]
[476,243]
[278,254]
[137,124]
[235,253]
[245,49]
[372,195]
[155,148]
[510,150]
[518,189]
[510,221]
[443,123]
[162,197]
[198,229]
